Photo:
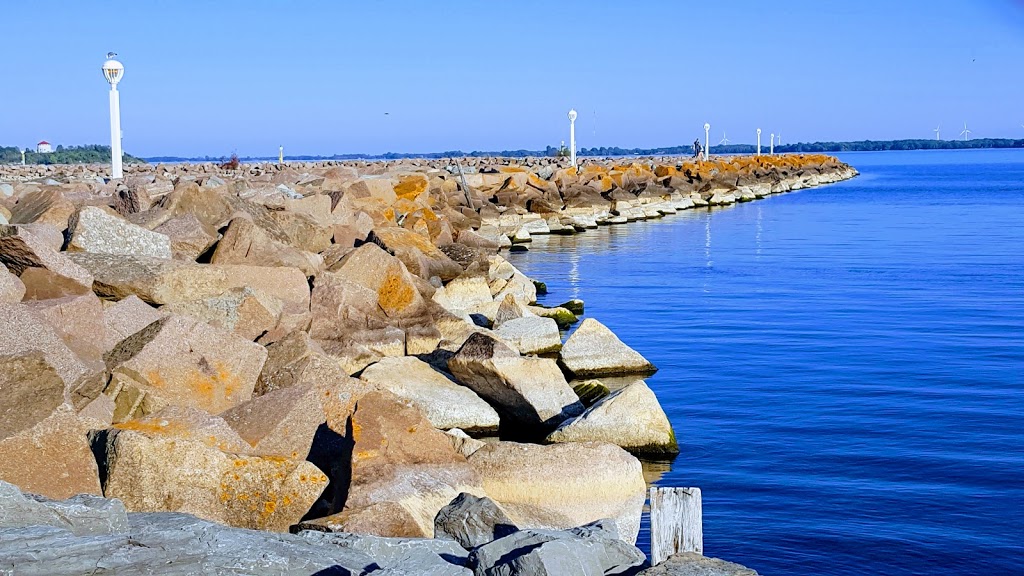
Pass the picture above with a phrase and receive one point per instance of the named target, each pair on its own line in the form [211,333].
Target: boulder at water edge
[594,350]
[564,485]
[631,418]
[530,393]
[472,521]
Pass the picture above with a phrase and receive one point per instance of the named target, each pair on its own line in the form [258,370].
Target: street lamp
[707,128]
[771,147]
[758,141]
[572,137]
[113,71]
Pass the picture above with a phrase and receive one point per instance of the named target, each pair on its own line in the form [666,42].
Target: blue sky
[318,77]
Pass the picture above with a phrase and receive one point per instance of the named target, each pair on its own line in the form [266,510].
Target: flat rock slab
[594,350]
[446,404]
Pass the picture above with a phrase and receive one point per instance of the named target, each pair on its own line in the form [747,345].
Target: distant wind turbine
[937,132]
[724,140]
[966,133]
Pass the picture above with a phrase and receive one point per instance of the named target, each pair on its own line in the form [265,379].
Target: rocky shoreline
[333,352]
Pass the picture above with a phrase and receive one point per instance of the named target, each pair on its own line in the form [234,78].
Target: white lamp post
[572,137]
[23,157]
[113,71]
[771,147]
[280,155]
[707,128]
[758,141]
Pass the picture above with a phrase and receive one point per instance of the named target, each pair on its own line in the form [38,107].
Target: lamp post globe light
[113,71]
[771,146]
[707,128]
[572,137]
[758,141]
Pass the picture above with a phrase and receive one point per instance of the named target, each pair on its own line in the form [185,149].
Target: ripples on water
[843,365]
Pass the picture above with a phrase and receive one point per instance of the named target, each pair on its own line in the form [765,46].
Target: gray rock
[691,564]
[591,550]
[472,521]
[100,232]
[82,515]
[421,556]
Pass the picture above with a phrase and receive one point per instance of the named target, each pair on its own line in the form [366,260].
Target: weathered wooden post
[677,522]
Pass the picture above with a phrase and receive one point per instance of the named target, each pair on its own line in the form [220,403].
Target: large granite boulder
[530,394]
[531,334]
[125,317]
[81,515]
[246,243]
[594,350]
[78,321]
[180,360]
[591,550]
[541,486]
[25,331]
[403,472]
[12,289]
[472,521]
[151,471]
[630,417]
[21,249]
[98,231]
[281,423]
[189,237]
[445,403]
[246,312]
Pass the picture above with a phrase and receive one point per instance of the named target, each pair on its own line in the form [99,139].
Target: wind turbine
[724,140]
[966,133]
[937,132]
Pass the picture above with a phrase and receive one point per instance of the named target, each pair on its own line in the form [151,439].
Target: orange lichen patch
[162,427]
[411,186]
[356,430]
[509,169]
[395,294]
[661,171]
[616,177]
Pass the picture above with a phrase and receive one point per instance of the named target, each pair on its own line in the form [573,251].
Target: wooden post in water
[677,522]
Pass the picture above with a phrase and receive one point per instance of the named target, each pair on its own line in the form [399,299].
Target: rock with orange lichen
[281,423]
[418,253]
[180,360]
[246,243]
[151,472]
[369,289]
[190,424]
[246,312]
[403,471]
[42,440]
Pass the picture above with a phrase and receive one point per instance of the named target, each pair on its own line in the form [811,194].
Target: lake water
[843,366]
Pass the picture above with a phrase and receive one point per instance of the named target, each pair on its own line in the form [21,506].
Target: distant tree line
[88,154]
[552,151]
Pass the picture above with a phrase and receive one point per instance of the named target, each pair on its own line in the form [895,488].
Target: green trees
[92,153]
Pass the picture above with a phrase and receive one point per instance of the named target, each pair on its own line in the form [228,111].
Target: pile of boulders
[331,348]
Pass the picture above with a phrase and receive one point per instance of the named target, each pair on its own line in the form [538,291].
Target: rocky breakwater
[333,350]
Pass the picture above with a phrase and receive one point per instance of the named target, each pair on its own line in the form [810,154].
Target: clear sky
[337,77]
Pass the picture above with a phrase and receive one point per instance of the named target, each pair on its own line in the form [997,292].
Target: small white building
[44,147]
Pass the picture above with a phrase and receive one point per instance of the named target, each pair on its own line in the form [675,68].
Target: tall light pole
[23,157]
[572,137]
[771,147]
[707,129]
[113,71]
[280,155]
[758,141]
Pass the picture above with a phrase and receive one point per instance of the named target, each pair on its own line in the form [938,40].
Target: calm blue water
[844,366]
